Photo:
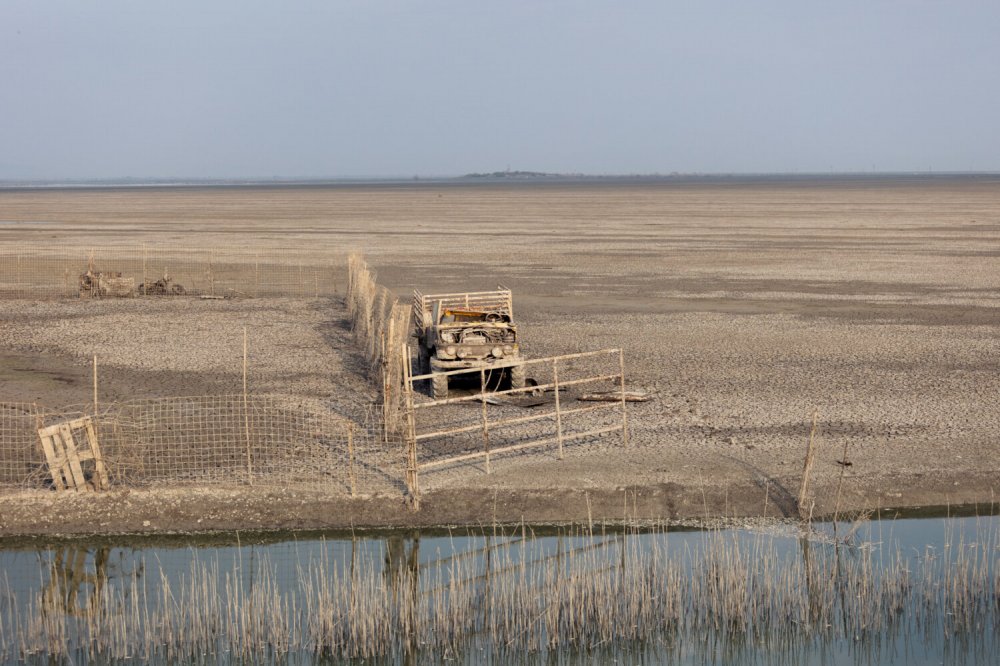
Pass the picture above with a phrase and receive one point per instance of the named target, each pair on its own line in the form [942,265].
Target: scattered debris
[98,284]
[165,286]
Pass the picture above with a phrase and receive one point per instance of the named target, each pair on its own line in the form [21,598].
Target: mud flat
[744,307]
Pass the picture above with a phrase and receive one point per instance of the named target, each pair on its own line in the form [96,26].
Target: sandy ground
[744,306]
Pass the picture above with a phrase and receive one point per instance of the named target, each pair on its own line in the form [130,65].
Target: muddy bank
[192,510]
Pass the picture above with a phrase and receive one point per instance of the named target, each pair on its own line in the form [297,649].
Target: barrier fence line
[158,269]
[205,439]
[489,427]
[381,327]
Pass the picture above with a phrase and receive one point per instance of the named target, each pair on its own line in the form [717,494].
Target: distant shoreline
[504,178]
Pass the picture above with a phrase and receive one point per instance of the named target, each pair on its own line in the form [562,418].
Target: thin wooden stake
[412,472]
[486,428]
[95,385]
[621,370]
[350,454]
[256,274]
[807,467]
[555,382]
[246,410]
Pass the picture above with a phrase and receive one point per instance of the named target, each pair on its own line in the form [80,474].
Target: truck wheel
[439,387]
[517,376]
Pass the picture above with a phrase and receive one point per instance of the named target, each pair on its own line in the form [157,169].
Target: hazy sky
[242,88]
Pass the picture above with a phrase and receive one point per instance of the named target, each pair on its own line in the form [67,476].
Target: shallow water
[421,580]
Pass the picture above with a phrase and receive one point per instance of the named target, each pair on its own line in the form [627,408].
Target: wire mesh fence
[260,439]
[147,269]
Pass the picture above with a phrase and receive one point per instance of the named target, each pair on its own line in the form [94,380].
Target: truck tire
[439,387]
[517,376]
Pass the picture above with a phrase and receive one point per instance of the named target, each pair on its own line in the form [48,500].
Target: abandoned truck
[467,330]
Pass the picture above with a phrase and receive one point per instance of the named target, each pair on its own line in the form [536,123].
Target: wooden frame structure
[558,414]
[499,300]
[65,455]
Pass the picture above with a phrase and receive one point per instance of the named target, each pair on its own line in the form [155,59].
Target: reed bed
[726,592]
[381,328]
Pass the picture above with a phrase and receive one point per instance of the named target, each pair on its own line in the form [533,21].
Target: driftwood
[615,396]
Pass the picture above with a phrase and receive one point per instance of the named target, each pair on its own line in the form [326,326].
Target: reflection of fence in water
[46,272]
[273,439]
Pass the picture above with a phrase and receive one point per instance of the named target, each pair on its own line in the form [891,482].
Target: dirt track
[744,306]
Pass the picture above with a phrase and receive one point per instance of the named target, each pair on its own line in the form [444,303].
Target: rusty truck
[467,330]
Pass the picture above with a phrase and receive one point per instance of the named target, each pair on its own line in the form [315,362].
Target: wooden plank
[101,482]
[48,431]
[518,447]
[55,469]
[79,480]
[62,458]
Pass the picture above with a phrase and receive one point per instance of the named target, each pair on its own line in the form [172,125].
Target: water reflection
[776,594]
[73,585]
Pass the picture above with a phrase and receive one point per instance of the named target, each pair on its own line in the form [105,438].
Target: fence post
[211,273]
[145,288]
[486,428]
[350,454]
[555,382]
[95,386]
[412,472]
[621,369]
[386,382]
[246,410]
[256,274]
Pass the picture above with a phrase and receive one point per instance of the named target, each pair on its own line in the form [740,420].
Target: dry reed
[381,327]
[515,594]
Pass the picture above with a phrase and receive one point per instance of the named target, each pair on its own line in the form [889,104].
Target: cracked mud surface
[744,307]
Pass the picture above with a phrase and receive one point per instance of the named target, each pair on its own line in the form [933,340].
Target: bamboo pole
[386,382]
[518,447]
[555,381]
[807,466]
[246,410]
[526,362]
[95,385]
[486,429]
[621,369]
[540,387]
[521,419]
[350,454]
[412,472]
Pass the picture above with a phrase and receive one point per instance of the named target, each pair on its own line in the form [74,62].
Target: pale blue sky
[368,88]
